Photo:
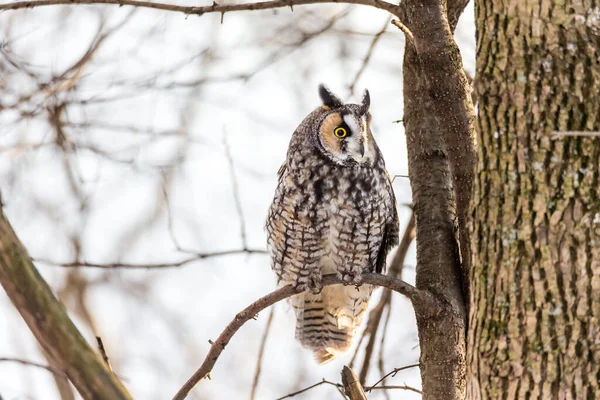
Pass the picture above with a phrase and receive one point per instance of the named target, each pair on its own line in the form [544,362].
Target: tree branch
[403,387]
[195,257]
[34,364]
[425,300]
[214,8]
[261,352]
[355,381]
[48,321]
[391,373]
[306,389]
[369,54]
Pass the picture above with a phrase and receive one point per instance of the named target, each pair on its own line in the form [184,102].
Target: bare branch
[355,381]
[404,28]
[261,352]
[392,373]
[404,387]
[196,257]
[214,8]
[395,270]
[323,382]
[380,357]
[236,191]
[55,371]
[423,298]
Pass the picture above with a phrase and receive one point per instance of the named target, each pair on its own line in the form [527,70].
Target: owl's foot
[351,277]
[311,283]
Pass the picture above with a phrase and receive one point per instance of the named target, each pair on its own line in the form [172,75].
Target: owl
[334,211]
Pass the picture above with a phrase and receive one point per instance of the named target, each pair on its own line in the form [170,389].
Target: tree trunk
[534,328]
[434,77]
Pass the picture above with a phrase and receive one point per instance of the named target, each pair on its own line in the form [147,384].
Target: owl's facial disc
[347,137]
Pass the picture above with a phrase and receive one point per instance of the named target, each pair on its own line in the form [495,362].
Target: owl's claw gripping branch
[423,298]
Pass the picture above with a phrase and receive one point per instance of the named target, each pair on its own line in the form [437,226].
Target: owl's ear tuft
[366,102]
[329,99]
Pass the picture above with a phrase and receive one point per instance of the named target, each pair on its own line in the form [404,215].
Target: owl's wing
[382,255]
[391,229]
[281,170]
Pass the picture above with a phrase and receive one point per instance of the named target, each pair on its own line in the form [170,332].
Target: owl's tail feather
[327,322]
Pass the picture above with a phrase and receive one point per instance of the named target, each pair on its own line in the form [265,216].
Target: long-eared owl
[334,211]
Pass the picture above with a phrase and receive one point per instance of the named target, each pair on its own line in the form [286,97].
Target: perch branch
[425,300]
[190,10]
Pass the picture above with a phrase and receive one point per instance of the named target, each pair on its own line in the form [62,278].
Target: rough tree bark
[534,330]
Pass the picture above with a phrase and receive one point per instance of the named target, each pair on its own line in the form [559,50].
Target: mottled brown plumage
[334,211]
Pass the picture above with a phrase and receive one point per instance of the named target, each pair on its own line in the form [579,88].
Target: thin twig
[367,58]
[404,28]
[236,192]
[260,355]
[103,352]
[170,227]
[362,338]
[55,371]
[196,257]
[399,176]
[405,387]
[214,8]
[414,294]
[392,373]
[380,365]
[323,382]
[395,270]
[355,381]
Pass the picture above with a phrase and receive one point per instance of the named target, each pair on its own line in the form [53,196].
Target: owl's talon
[315,285]
[351,278]
[312,285]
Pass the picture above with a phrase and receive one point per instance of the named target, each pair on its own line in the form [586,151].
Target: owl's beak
[361,147]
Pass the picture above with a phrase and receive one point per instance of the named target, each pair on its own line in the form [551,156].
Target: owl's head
[344,133]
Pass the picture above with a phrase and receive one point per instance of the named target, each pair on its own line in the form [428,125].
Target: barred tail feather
[327,322]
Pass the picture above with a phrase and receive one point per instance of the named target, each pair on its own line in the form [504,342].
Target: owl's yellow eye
[340,132]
